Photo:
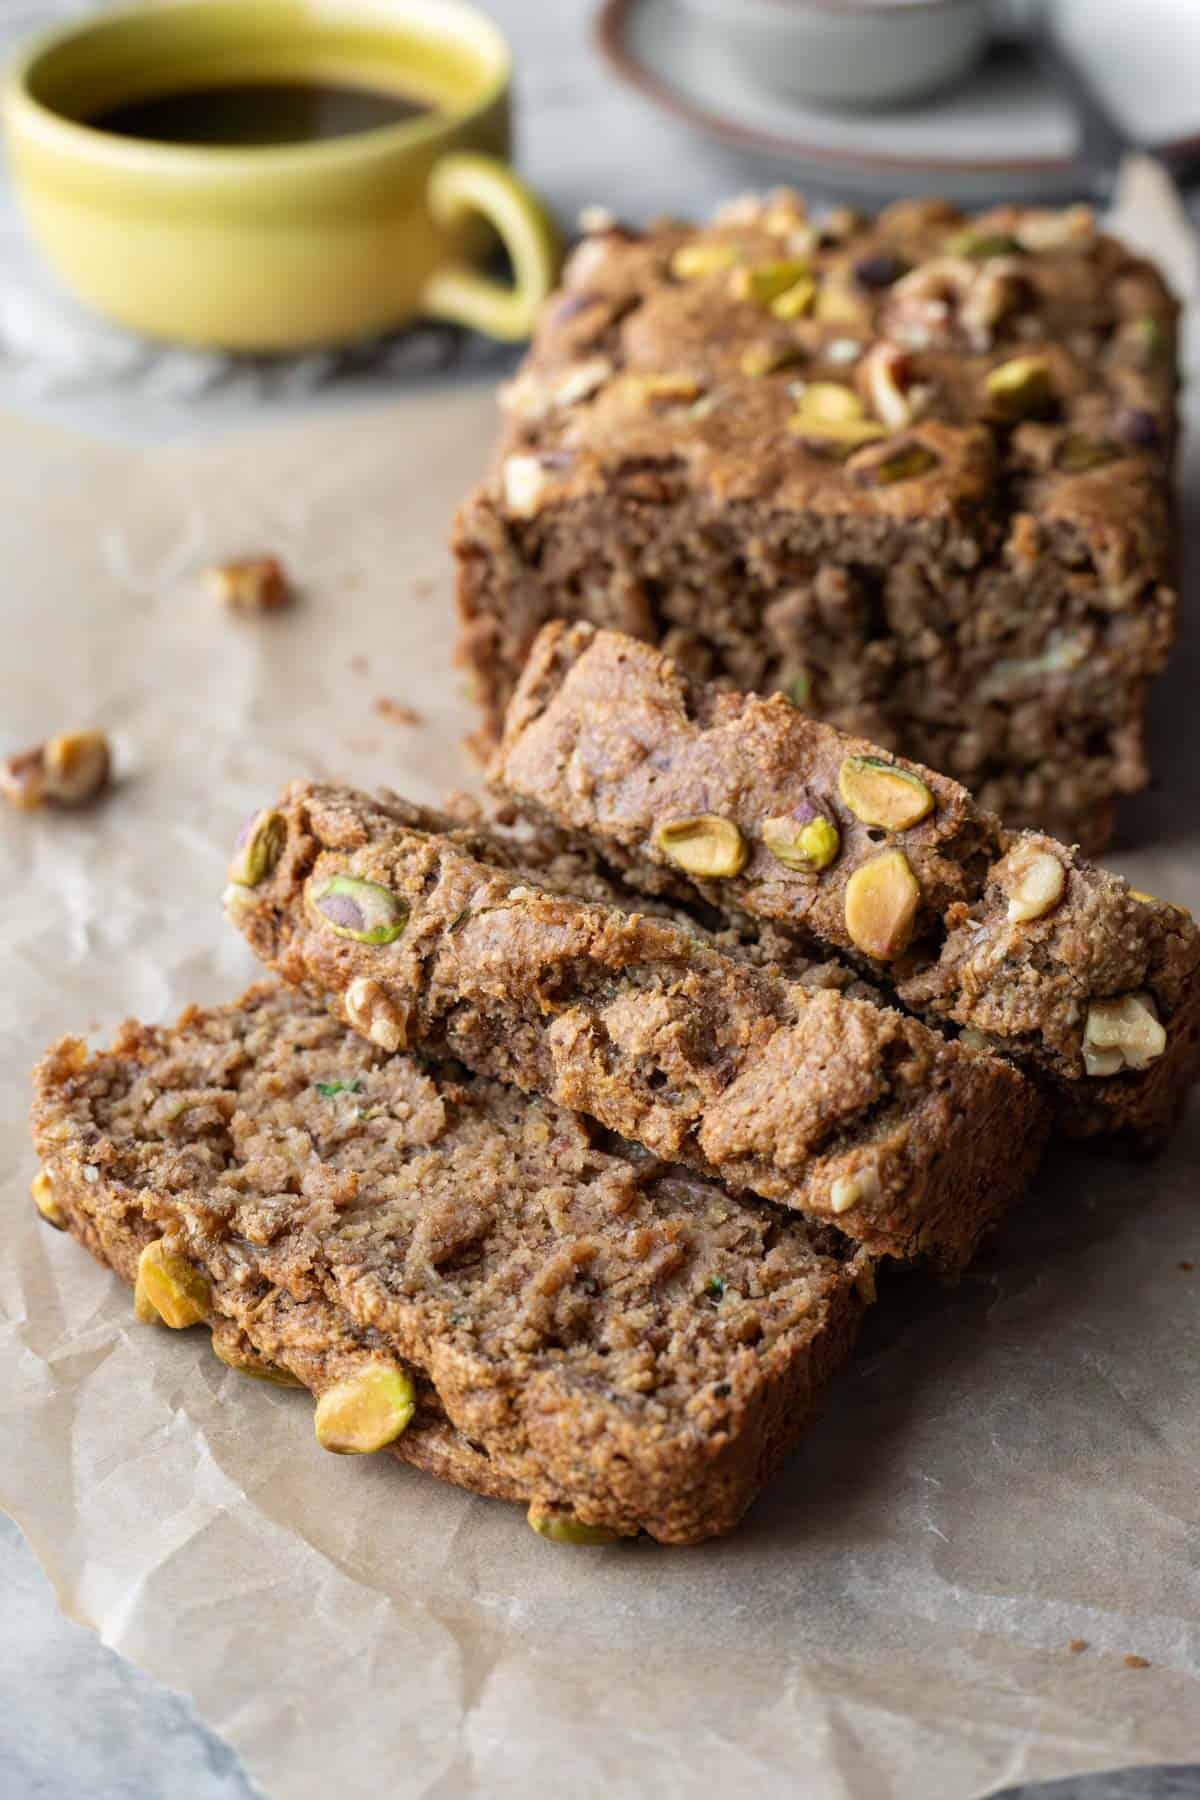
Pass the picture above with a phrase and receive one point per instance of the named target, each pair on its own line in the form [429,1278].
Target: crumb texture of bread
[800,1094]
[586,1327]
[1016,938]
[913,471]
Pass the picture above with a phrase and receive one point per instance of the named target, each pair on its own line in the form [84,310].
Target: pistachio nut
[766,281]
[41,1189]
[1034,882]
[1148,336]
[881,904]
[831,418]
[692,262]
[356,909]
[887,465]
[1078,453]
[668,387]
[807,843]
[179,1293]
[1122,1034]
[259,847]
[829,400]
[979,246]
[564,1528]
[795,301]
[879,793]
[1022,388]
[708,847]
[766,359]
[366,1411]
[836,303]
[834,437]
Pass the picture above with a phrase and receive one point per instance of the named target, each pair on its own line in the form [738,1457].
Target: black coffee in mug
[258,113]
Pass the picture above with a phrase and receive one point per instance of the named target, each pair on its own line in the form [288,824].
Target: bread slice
[822,1102]
[608,1339]
[1092,988]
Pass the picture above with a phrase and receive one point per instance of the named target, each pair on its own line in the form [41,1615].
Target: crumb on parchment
[397,712]
[250,584]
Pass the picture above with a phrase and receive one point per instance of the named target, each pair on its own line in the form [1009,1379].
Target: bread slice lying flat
[490,1286]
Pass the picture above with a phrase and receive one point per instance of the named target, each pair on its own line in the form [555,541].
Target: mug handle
[466,182]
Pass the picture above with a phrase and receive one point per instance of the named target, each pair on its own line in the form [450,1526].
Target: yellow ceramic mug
[290,245]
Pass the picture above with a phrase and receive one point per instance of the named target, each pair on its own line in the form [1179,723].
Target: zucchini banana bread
[1033,951]
[800,1094]
[914,472]
[484,1283]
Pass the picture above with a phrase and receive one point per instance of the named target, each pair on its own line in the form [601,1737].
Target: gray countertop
[74,1718]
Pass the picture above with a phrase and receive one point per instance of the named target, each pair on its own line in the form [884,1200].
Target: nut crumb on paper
[250,584]
[67,770]
[1077,1646]
[1136,1662]
[397,712]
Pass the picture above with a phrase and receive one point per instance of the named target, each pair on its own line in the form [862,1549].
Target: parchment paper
[1008,1466]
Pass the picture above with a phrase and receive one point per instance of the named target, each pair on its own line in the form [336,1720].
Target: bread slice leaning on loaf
[839,1108]
[487,1285]
[745,803]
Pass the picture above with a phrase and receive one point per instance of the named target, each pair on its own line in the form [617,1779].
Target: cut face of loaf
[1018,940]
[825,1103]
[912,471]
[613,1342]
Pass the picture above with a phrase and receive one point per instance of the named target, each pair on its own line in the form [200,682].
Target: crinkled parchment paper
[1008,1466]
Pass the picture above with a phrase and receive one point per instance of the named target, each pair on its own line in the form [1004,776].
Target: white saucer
[1002,133]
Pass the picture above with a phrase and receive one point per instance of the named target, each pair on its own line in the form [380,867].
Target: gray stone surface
[1181,1781]
[77,1720]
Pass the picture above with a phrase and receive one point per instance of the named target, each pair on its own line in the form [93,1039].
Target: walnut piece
[1122,1034]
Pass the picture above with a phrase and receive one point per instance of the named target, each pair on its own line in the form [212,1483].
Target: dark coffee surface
[258,113]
